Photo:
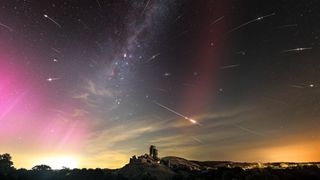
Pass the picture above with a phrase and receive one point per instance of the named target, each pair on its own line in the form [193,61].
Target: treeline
[44,172]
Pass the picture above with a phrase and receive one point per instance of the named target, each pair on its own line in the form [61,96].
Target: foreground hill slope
[180,163]
[145,171]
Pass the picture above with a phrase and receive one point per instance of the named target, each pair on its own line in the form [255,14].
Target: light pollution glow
[304,152]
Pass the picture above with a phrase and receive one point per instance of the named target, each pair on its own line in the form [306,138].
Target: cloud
[165,133]
[82,96]
[79,112]
[96,90]
[96,96]
[114,134]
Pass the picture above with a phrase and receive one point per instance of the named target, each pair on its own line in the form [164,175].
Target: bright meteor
[177,113]
[55,22]
[52,79]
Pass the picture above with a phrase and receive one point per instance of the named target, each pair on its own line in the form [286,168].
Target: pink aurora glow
[27,115]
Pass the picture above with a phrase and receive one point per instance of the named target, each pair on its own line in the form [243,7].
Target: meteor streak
[241,26]
[177,113]
[197,140]
[296,86]
[251,21]
[98,2]
[153,57]
[5,26]
[287,26]
[217,20]
[145,7]
[296,49]
[56,50]
[248,130]
[46,16]
[229,66]
[52,79]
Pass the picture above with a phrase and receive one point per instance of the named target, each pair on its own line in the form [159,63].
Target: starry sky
[91,83]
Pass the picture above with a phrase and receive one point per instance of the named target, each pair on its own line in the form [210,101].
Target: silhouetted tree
[42,167]
[6,165]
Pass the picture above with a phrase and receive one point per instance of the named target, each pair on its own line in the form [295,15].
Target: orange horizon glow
[303,152]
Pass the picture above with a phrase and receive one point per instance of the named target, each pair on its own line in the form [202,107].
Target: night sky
[91,83]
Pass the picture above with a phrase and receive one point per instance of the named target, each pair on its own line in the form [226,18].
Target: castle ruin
[151,158]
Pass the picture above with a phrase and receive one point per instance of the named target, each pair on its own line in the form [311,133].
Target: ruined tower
[153,152]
